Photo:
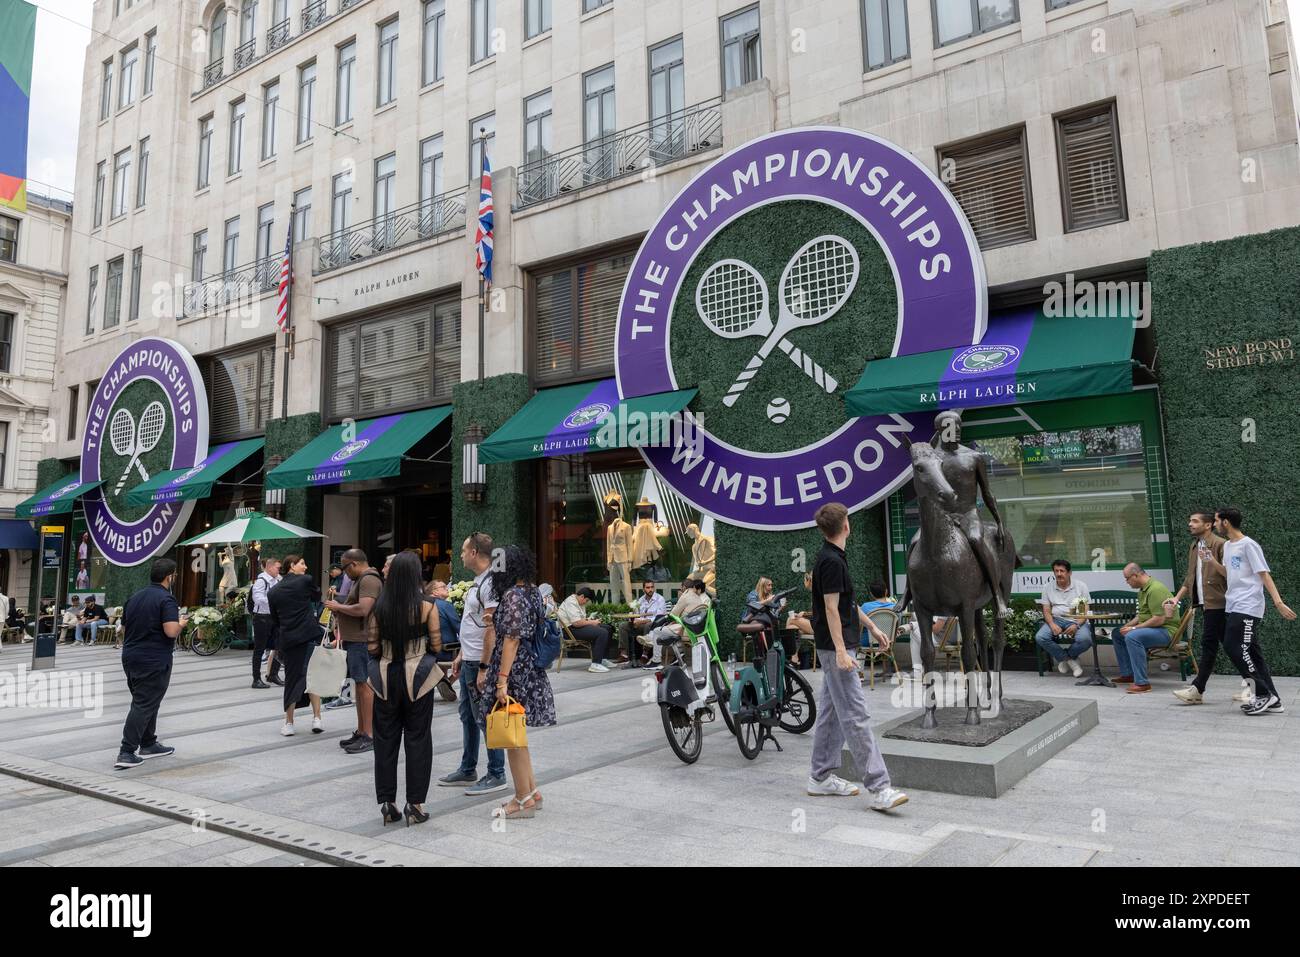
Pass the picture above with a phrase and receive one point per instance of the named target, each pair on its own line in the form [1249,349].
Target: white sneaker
[287,730]
[1244,695]
[1188,695]
[597,668]
[833,786]
[887,799]
[317,726]
[609,665]
[1074,667]
[1062,667]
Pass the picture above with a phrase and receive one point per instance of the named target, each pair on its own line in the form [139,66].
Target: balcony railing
[278,35]
[230,288]
[245,54]
[212,73]
[313,15]
[347,4]
[424,220]
[695,129]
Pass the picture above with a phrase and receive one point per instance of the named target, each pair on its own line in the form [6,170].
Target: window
[667,101]
[884,32]
[1092,175]
[386,79]
[268,272]
[6,341]
[430,168]
[72,411]
[126,85]
[137,267]
[270,113]
[742,54]
[4,447]
[341,202]
[198,256]
[989,178]
[537,18]
[142,174]
[92,294]
[230,246]
[113,294]
[574,311]
[106,90]
[483,20]
[239,386]
[306,99]
[8,239]
[385,199]
[408,358]
[598,123]
[434,41]
[483,129]
[205,152]
[248,22]
[302,214]
[347,68]
[589,5]
[121,183]
[217,36]
[537,127]
[236,161]
[100,173]
[958,19]
[150,60]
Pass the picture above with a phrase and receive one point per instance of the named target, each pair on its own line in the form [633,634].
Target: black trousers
[147,687]
[398,719]
[598,635]
[263,631]
[629,632]
[295,674]
[1240,641]
[1213,621]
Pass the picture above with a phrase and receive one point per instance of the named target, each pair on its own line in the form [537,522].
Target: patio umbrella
[252,527]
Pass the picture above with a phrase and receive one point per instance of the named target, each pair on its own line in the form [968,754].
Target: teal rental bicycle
[688,692]
[768,692]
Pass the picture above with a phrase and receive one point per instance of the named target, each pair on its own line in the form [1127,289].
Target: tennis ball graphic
[778,410]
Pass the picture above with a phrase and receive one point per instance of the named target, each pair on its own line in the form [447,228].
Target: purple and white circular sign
[940,289]
[132,429]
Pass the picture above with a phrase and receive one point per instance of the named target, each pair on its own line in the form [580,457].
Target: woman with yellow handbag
[517,681]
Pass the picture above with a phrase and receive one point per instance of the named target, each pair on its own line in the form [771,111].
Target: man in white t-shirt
[1060,601]
[1248,578]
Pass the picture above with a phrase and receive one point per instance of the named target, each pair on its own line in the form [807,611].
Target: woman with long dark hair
[298,631]
[403,673]
[512,670]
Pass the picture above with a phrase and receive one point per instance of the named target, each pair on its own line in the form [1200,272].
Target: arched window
[217,36]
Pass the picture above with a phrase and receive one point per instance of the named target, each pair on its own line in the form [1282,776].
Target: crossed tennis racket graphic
[129,439]
[732,301]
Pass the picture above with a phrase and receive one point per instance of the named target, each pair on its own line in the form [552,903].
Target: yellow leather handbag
[506,727]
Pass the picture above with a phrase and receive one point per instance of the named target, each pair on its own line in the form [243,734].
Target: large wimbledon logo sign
[767,283]
[149,414]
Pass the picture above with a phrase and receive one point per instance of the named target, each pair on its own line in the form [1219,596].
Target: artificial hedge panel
[49,471]
[507,510]
[302,506]
[1206,297]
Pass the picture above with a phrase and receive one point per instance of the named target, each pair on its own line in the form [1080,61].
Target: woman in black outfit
[403,672]
[298,631]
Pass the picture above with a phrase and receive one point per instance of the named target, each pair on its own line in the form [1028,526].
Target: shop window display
[88,569]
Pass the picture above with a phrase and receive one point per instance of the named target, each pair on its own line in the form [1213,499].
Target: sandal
[535,798]
[520,811]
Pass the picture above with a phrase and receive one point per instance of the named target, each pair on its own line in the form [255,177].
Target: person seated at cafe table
[693,597]
[1149,628]
[1060,602]
[571,615]
[649,606]
[93,615]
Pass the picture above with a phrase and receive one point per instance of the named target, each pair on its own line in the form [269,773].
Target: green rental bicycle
[688,691]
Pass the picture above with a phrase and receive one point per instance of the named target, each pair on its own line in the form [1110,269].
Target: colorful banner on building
[17,45]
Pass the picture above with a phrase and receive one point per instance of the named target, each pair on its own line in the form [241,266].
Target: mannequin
[645,537]
[229,578]
[618,550]
[704,556]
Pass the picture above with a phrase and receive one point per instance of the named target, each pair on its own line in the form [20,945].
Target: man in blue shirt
[151,623]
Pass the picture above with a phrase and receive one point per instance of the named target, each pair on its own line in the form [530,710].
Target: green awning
[180,485]
[1023,357]
[55,499]
[351,452]
[588,417]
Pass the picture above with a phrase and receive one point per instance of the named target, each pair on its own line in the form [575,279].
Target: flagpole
[482,153]
[288,323]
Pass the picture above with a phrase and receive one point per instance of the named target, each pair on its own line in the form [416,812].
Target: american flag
[286,280]
[483,237]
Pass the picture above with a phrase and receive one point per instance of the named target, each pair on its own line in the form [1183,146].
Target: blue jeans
[1131,651]
[496,757]
[93,625]
[1047,641]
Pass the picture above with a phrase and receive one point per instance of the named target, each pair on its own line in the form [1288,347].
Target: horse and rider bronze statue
[957,564]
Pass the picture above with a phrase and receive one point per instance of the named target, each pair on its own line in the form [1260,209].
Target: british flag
[483,236]
[286,281]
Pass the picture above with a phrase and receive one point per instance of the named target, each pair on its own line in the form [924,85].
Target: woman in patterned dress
[512,670]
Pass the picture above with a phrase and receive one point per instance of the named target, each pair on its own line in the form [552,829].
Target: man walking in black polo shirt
[842,718]
[151,622]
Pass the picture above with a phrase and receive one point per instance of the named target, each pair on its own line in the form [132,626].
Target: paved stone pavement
[1156,783]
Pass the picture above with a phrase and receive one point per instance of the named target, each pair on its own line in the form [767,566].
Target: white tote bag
[326,670]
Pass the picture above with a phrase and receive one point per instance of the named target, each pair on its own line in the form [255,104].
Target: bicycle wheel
[205,645]
[723,692]
[684,733]
[749,732]
[799,709]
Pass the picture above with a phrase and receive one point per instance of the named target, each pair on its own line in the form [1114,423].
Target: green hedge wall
[301,506]
[507,511]
[1204,297]
[49,471]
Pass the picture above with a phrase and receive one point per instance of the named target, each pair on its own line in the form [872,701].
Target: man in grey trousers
[842,718]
